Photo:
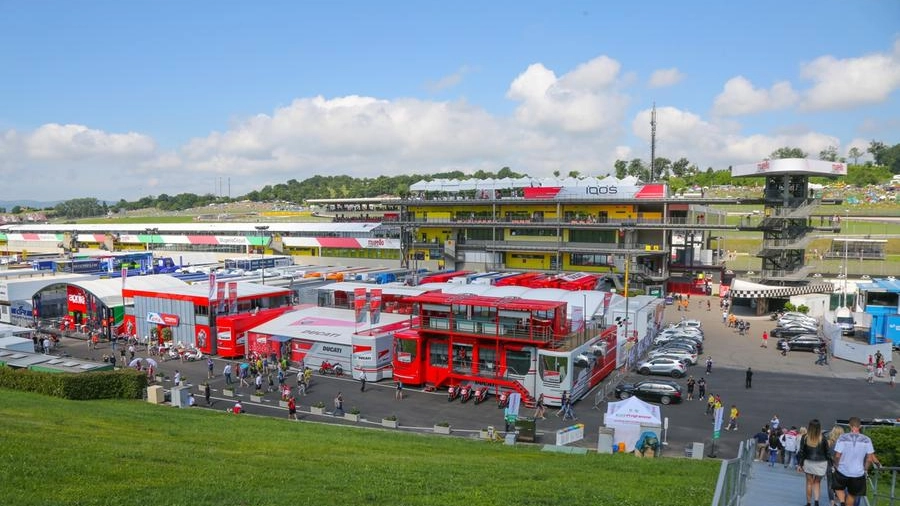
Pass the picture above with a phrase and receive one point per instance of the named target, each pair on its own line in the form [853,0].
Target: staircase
[777,486]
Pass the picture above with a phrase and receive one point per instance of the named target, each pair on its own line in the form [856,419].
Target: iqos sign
[601,190]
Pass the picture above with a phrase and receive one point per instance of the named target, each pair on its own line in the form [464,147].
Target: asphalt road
[792,387]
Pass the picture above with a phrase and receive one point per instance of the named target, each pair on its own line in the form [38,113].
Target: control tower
[786,220]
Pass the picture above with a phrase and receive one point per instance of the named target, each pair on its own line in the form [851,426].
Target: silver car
[679,353]
[666,366]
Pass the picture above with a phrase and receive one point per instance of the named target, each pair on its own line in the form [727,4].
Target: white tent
[634,411]
[628,417]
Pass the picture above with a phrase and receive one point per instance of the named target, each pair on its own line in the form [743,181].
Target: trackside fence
[733,475]
[883,486]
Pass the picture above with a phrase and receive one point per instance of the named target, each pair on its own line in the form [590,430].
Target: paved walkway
[777,486]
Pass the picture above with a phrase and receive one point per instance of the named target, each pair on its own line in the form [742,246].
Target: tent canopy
[634,411]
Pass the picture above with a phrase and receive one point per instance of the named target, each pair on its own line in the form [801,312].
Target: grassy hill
[129,452]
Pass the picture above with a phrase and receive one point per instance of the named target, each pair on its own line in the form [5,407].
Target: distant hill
[34,204]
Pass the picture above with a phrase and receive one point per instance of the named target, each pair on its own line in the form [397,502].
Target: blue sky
[125,99]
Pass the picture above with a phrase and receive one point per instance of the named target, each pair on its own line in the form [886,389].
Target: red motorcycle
[465,393]
[481,394]
[503,400]
[452,393]
[328,368]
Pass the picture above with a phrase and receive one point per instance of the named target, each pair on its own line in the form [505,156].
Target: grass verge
[129,452]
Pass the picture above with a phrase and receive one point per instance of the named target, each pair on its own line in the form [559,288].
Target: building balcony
[790,276]
[566,247]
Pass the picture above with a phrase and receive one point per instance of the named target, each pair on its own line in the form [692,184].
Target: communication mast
[653,144]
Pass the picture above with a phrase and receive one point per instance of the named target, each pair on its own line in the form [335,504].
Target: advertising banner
[220,296]
[77,301]
[375,306]
[232,297]
[577,318]
[359,304]
[124,276]
[212,286]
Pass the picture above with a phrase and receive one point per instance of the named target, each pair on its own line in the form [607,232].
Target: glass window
[406,348]
[487,360]
[439,357]
[518,362]
[554,368]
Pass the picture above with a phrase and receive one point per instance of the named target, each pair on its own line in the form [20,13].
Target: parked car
[667,366]
[662,391]
[682,331]
[691,347]
[788,320]
[803,342]
[696,324]
[686,360]
[679,353]
[788,332]
[667,338]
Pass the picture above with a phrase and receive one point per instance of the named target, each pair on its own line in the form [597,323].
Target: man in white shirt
[853,455]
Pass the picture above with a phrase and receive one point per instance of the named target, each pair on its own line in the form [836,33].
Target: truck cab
[844,319]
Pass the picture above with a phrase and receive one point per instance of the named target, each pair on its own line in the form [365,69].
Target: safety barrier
[883,487]
[732,482]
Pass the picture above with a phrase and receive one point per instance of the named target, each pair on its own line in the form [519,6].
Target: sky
[113,99]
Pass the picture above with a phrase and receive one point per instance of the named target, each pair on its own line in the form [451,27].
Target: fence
[733,474]
[883,487]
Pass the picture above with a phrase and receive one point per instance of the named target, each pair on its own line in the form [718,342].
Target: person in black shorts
[854,454]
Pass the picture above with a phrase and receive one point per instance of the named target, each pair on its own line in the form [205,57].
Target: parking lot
[792,387]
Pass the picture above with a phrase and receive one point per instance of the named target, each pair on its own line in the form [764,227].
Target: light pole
[263,229]
[846,243]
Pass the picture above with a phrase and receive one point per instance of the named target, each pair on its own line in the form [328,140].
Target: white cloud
[719,144]
[740,97]
[848,82]
[665,77]
[583,101]
[54,141]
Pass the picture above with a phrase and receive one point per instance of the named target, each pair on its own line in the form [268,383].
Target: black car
[803,342]
[662,391]
[789,332]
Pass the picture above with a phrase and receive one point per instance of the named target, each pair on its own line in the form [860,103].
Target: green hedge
[120,384]
[886,441]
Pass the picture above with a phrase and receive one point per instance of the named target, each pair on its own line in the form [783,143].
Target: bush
[886,441]
[121,384]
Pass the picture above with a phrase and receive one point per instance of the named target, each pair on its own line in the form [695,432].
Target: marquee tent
[632,411]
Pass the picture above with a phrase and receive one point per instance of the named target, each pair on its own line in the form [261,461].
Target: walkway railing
[883,487]
[733,474]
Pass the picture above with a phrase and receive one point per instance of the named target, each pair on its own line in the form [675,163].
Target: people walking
[339,405]
[812,459]
[748,383]
[398,393]
[733,415]
[690,388]
[292,409]
[854,454]
[701,389]
[227,373]
[206,393]
[709,364]
[892,374]
[177,378]
[209,368]
[765,340]
[790,444]
[541,409]
[362,381]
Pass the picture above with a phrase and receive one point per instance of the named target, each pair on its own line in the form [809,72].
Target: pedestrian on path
[690,388]
[733,417]
[765,342]
[541,408]
[709,364]
[339,405]
[892,374]
[227,373]
[206,393]
[749,382]
[362,381]
[292,409]
[209,368]
[725,316]
[701,389]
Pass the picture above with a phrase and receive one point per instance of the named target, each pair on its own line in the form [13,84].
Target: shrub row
[120,384]
[886,441]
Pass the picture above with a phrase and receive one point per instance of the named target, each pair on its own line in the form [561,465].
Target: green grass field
[128,452]
[138,219]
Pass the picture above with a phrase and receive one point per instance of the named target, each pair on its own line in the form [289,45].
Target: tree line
[678,174]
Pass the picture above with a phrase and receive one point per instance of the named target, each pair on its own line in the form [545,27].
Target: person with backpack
[733,417]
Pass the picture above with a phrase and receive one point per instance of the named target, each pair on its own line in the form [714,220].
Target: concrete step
[777,486]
